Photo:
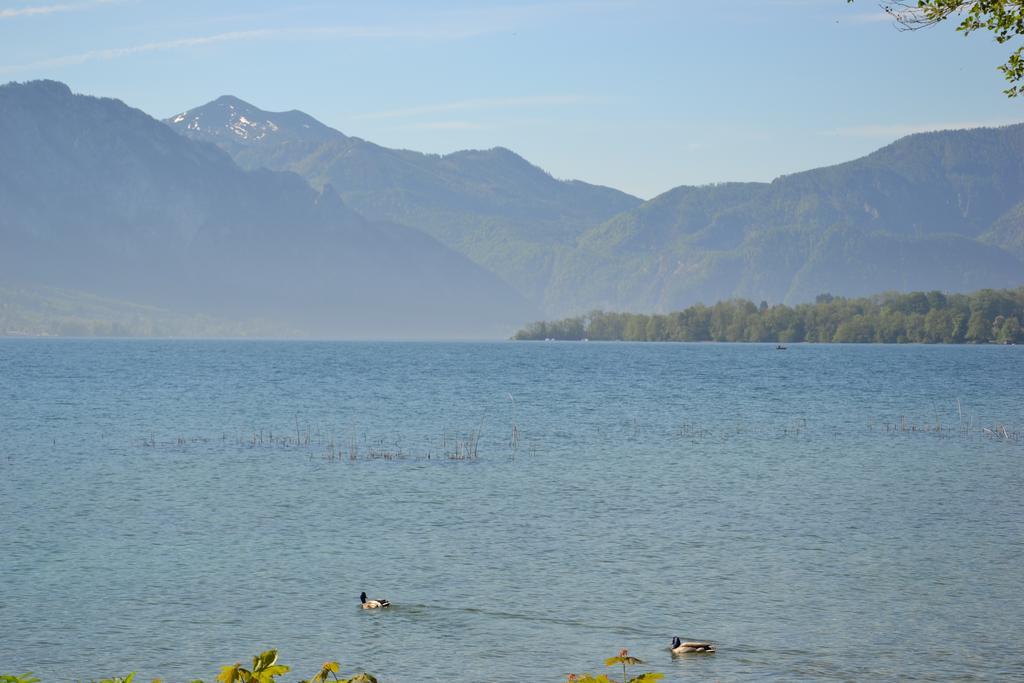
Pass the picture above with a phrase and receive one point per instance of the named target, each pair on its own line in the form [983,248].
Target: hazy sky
[643,95]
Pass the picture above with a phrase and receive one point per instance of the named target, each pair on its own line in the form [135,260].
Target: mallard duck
[681,648]
[372,604]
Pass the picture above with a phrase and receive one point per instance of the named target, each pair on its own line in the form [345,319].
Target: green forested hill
[938,211]
[930,211]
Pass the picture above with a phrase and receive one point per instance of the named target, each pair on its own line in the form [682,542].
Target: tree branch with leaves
[1004,19]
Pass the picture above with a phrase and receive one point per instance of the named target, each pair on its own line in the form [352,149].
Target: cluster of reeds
[696,432]
[805,428]
[254,439]
[457,445]
[904,426]
[180,441]
[451,446]
[1001,433]
[377,449]
[795,428]
[460,446]
[513,442]
[966,427]
[691,430]
[997,432]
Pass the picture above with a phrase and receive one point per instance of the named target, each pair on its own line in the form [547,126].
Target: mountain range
[492,205]
[98,197]
[229,210]
[940,210]
[934,211]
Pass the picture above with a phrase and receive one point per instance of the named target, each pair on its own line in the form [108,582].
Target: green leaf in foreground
[24,678]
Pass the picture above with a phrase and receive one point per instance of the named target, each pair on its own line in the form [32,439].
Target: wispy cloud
[448,125]
[118,52]
[450,26]
[476,104]
[424,32]
[898,130]
[514,15]
[354,32]
[52,9]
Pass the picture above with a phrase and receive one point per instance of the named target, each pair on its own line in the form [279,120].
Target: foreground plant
[624,659]
[1003,18]
[331,669]
[265,669]
[24,678]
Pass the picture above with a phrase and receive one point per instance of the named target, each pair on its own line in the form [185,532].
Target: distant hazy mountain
[493,206]
[100,197]
[931,211]
[52,312]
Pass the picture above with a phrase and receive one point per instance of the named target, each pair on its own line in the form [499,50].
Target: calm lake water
[158,515]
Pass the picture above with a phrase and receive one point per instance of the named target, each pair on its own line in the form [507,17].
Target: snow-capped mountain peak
[229,118]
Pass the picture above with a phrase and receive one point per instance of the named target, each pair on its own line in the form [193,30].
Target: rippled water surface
[799,508]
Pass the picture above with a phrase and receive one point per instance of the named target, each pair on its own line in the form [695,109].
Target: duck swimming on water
[680,647]
[372,604]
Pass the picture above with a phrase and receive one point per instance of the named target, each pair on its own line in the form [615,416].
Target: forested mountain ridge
[930,211]
[98,197]
[491,205]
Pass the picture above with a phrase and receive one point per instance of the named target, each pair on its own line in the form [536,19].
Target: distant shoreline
[988,316]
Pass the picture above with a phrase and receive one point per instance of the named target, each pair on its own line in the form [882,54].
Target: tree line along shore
[983,317]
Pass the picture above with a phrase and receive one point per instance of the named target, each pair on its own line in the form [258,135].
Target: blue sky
[643,95]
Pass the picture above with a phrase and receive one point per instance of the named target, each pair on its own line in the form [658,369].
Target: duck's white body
[680,647]
[372,604]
